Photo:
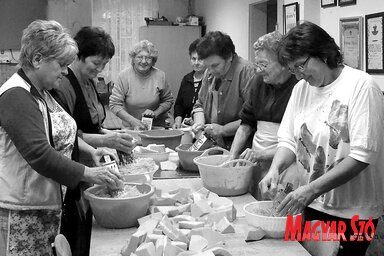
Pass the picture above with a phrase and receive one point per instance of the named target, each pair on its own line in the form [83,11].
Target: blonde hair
[144,45]
[50,40]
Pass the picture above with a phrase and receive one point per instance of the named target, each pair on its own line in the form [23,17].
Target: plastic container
[223,177]
[186,157]
[135,133]
[273,226]
[144,177]
[119,212]
[170,138]
[157,157]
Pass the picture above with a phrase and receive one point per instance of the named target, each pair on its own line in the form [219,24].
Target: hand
[104,176]
[296,201]
[100,152]
[214,130]
[149,113]
[197,128]
[138,125]
[250,155]
[232,157]
[268,185]
[177,124]
[120,140]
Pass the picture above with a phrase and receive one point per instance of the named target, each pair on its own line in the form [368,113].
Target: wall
[329,20]
[231,17]
[72,14]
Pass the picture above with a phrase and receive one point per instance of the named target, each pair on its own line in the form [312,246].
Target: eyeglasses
[261,66]
[146,58]
[299,68]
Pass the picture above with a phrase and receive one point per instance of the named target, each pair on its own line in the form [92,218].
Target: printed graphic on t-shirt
[338,124]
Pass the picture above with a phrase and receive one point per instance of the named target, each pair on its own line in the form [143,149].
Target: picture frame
[291,16]
[328,3]
[351,41]
[347,2]
[374,49]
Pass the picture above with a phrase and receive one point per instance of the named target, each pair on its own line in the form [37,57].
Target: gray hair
[144,45]
[270,42]
[50,40]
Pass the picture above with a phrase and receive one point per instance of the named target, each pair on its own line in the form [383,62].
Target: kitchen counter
[108,242]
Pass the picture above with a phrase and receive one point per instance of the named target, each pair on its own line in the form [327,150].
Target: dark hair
[215,43]
[193,46]
[94,41]
[310,39]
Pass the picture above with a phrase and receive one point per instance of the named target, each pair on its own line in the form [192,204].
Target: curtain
[121,19]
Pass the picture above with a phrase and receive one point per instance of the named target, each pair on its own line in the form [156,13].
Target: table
[108,242]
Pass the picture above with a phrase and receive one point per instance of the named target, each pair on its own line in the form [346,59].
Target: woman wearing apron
[263,110]
[36,141]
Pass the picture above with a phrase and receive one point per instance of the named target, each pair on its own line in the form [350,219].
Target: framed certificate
[374,43]
[328,3]
[346,2]
[291,16]
[351,41]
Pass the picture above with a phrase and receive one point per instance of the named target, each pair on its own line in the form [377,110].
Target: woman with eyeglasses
[142,90]
[263,110]
[333,127]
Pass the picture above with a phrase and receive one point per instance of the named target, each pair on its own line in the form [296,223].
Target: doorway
[262,20]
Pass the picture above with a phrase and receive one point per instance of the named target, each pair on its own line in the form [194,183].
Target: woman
[333,127]
[224,88]
[189,88]
[78,94]
[264,110]
[37,137]
[142,89]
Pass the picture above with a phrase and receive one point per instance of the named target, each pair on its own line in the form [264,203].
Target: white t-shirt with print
[323,125]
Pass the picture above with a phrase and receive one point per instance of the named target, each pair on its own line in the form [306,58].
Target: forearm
[125,116]
[282,160]
[85,147]
[337,176]
[266,154]
[198,117]
[230,129]
[241,137]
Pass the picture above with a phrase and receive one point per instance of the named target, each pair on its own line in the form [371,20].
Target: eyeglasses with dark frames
[299,68]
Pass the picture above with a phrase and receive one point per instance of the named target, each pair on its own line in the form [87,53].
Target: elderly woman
[142,89]
[224,88]
[264,109]
[37,137]
[78,94]
[189,88]
[333,127]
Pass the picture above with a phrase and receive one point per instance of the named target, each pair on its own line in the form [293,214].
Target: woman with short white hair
[142,89]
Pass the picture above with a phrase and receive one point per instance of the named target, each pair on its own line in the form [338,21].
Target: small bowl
[143,177]
[170,138]
[157,157]
[273,226]
[119,212]
[186,157]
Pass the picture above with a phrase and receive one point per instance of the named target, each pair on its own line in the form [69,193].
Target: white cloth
[266,135]
[323,125]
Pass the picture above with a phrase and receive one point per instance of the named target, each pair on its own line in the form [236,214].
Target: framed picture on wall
[374,52]
[351,41]
[328,3]
[346,2]
[291,16]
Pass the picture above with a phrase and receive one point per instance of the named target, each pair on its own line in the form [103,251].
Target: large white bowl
[119,212]
[273,226]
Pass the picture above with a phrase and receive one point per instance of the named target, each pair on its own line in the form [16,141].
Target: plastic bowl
[170,138]
[143,177]
[223,177]
[119,212]
[186,157]
[273,226]
[157,157]
[135,133]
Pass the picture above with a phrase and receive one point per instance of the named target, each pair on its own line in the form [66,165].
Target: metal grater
[110,163]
